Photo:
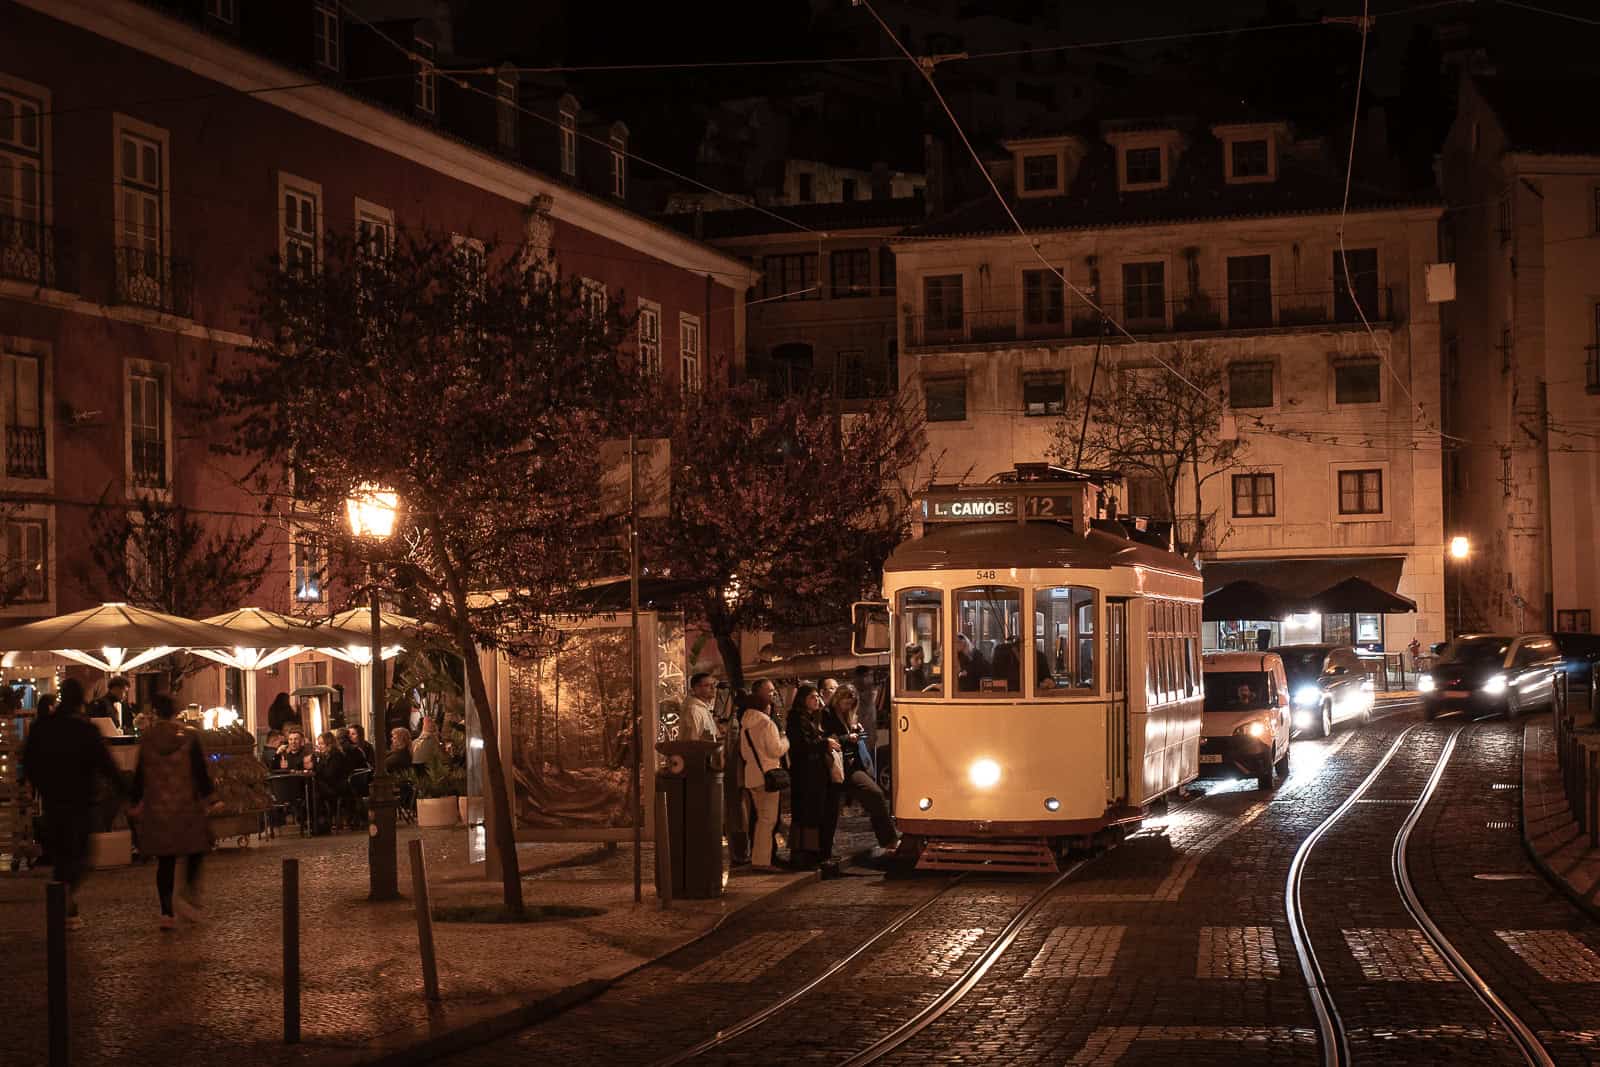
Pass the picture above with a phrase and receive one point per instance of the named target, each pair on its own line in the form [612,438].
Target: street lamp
[372,511]
[1460,549]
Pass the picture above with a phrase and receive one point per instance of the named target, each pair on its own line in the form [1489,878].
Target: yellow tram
[1045,676]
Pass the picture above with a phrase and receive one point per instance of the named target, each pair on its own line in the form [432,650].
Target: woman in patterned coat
[171,788]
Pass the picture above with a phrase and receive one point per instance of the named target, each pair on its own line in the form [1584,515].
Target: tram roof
[972,545]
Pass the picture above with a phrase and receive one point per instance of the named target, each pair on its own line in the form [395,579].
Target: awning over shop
[1302,579]
[1245,599]
[1360,595]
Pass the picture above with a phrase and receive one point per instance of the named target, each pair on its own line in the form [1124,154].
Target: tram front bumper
[1233,755]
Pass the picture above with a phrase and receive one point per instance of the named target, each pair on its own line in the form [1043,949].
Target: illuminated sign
[974,507]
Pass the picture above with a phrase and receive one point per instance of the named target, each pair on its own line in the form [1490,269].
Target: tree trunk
[732,662]
[1198,529]
[505,838]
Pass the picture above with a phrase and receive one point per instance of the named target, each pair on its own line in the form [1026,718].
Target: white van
[1247,722]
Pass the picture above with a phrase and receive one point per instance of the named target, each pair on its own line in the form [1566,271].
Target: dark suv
[1492,672]
[1327,684]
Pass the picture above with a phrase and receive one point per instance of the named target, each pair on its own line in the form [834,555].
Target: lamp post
[1460,549]
[372,511]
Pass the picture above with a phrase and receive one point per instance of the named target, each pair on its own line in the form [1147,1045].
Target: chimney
[882,186]
[938,177]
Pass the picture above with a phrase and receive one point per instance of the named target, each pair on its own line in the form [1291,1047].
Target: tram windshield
[1064,629]
[988,640]
[920,647]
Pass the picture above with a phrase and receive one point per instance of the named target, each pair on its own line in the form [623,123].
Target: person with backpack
[763,749]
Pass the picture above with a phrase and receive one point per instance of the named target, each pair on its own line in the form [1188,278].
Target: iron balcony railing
[149,462]
[34,253]
[25,451]
[1015,322]
[148,280]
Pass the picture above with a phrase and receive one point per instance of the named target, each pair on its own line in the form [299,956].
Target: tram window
[920,648]
[1064,657]
[988,640]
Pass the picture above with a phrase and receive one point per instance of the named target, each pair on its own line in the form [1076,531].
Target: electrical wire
[1551,12]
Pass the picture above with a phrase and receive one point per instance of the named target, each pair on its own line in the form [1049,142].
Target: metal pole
[633,621]
[383,875]
[55,912]
[291,952]
[419,897]
[1094,370]
[1459,565]
[663,853]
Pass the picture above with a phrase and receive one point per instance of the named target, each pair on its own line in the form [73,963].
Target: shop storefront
[1342,600]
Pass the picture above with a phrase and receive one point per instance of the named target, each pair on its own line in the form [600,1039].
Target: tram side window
[988,640]
[1064,629]
[920,647]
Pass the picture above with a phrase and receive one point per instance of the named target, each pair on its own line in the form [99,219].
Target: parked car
[1485,673]
[1327,685]
[1579,652]
[1246,727]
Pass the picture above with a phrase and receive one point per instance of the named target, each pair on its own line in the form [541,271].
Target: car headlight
[984,773]
[1307,695]
[1255,728]
[1304,720]
[1425,683]
[1495,685]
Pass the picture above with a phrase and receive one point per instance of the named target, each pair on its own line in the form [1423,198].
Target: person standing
[763,749]
[358,740]
[171,795]
[826,688]
[281,713]
[809,759]
[699,720]
[62,759]
[111,707]
[843,723]
[426,748]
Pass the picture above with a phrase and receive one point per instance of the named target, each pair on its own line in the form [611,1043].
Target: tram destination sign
[970,508]
[1035,503]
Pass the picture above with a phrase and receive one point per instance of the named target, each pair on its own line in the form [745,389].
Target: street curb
[493,1027]
[1556,881]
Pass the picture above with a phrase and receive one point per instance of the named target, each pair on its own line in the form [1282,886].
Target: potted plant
[439,783]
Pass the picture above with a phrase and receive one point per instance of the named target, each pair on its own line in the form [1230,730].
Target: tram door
[1117,698]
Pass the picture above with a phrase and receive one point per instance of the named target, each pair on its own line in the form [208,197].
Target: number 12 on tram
[1046,683]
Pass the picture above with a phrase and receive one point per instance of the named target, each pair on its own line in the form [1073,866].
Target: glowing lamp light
[1460,547]
[1052,804]
[372,511]
[218,718]
[925,803]
[984,773]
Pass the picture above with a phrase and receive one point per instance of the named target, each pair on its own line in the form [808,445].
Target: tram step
[1018,855]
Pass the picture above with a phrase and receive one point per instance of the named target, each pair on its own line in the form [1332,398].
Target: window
[374,230]
[1171,662]
[325,35]
[427,77]
[594,300]
[473,264]
[221,10]
[1064,629]
[1144,292]
[1044,393]
[1043,299]
[619,172]
[147,426]
[988,625]
[26,561]
[505,112]
[806,192]
[1250,159]
[789,277]
[1357,381]
[1360,286]
[847,190]
[1592,363]
[1141,166]
[945,399]
[299,237]
[1040,173]
[1574,621]
[886,276]
[569,144]
[650,340]
[1249,291]
[310,566]
[1250,385]
[1505,219]
[21,164]
[1597,209]
[1361,492]
[851,271]
[941,304]
[1254,496]
[689,353]
[919,649]
[141,203]
[26,447]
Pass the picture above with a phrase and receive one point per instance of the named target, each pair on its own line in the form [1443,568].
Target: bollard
[419,896]
[55,919]
[663,853]
[291,952]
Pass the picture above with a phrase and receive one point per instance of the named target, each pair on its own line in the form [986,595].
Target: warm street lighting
[372,510]
[1460,547]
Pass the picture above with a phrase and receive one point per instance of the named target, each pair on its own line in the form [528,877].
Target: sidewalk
[212,994]
[1549,831]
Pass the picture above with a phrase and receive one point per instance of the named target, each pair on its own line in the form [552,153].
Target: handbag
[836,766]
[774,781]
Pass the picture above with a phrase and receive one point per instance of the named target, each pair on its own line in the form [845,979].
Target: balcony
[148,280]
[25,452]
[1019,325]
[149,462]
[33,253]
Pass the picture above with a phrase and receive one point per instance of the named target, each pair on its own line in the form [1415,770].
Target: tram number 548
[985,575]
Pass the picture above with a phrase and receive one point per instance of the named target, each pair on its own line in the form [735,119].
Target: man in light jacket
[699,722]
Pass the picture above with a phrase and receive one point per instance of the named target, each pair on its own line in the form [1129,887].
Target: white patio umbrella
[263,639]
[395,631]
[114,637]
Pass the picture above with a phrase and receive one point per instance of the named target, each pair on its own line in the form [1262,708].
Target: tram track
[1331,1029]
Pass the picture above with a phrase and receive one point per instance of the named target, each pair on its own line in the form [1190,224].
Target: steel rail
[1520,1032]
[969,978]
[1330,1029]
[750,1022]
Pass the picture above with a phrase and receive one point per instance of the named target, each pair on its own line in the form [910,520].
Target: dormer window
[505,91]
[1250,152]
[427,78]
[569,144]
[1041,173]
[1249,159]
[325,49]
[619,170]
[1142,166]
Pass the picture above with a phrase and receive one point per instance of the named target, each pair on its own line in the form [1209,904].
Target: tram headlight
[1307,696]
[1052,804]
[925,803]
[984,773]
[1495,685]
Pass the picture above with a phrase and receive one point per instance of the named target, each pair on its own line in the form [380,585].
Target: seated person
[292,753]
[971,667]
[1008,665]
[916,671]
[269,750]
[398,761]
[1044,678]
[332,767]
